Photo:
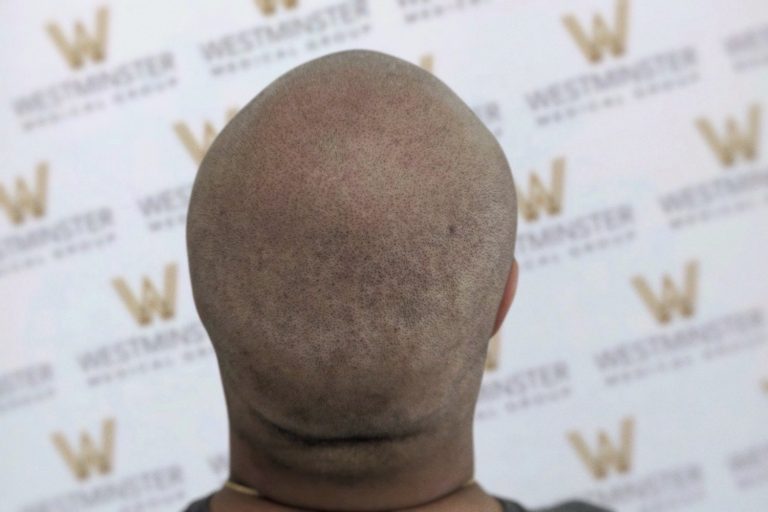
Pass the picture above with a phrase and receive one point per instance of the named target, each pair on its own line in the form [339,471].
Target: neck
[467,499]
[431,472]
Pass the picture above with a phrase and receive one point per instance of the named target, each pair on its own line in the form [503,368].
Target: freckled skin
[351,236]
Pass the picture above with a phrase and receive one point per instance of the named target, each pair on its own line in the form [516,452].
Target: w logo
[197,147]
[427,62]
[26,200]
[269,7]
[671,298]
[88,457]
[736,140]
[608,455]
[541,199]
[494,353]
[150,301]
[84,44]
[603,38]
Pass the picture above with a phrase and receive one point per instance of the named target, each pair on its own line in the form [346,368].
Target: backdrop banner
[632,369]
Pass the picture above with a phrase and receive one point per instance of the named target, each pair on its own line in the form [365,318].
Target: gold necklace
[250,491]
[242,489]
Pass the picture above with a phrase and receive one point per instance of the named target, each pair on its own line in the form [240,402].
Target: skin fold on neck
[434,481]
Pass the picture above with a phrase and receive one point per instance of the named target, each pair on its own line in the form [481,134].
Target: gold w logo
[603,37]
[427,62]
[83,44]
[494,353]
[268,7]
[26,200]
[151,301]
[606,456]
[88,457]
[198,148]
[539,197]
[671,298]
[735,141]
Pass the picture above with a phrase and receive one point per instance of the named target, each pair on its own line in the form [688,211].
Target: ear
[506,299]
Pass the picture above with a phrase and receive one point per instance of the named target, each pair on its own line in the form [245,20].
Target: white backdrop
[633,367]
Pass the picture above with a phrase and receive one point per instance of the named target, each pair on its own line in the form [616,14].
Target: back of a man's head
[350,234]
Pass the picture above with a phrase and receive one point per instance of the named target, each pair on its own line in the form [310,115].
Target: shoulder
[570,506]
[574,506]
[201,505]
[509,506]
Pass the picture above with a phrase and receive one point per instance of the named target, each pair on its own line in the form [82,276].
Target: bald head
[349,235]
